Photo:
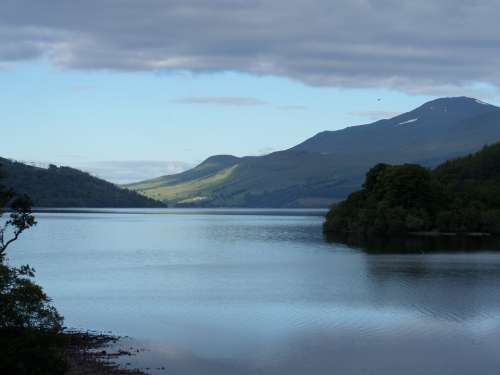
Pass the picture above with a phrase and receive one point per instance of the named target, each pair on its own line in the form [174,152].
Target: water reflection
[445,278]
[415,244]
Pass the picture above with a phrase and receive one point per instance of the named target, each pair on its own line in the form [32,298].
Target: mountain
[459,196]
[67,187]
[332,164]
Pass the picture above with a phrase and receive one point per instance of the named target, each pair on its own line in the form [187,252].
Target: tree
[20,218]
[30,327]
[460,196]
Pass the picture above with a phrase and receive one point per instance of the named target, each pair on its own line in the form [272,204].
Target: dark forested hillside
[67,187]
[459,196]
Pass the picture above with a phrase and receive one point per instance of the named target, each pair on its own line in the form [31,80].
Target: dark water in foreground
[254,292]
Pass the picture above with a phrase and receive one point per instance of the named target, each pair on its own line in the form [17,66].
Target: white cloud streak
[123,172]
[221,100]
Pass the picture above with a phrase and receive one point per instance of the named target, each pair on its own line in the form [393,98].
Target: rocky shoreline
[91,353]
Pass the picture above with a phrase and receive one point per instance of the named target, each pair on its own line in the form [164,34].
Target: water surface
[262,292]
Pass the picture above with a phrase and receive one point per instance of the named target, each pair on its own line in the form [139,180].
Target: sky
[134,89]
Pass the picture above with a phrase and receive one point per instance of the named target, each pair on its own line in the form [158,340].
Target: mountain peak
[441,116]
[446,110]
[454,102]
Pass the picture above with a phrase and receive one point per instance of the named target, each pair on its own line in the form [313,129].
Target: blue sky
[71,117]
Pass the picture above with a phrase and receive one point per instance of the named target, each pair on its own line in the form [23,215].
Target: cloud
[416,46]
[238,101]
[221,100]
[375,115]
[122,172]
[6,65]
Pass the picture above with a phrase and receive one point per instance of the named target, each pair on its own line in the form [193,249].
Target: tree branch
[4,245]
[21,219]
[8,204]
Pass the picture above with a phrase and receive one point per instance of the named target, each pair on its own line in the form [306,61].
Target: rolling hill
[67,187]
[332,164]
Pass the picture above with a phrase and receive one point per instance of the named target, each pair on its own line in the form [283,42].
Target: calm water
[261,292]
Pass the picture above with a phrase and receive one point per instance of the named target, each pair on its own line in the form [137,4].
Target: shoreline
[413,234]
[88,352]
[450,234]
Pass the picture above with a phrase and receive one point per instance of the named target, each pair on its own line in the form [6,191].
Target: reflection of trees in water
[416,244]
[438,277]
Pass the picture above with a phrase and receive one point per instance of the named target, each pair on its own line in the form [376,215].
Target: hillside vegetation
[459,196]
[68,187]
[329,166]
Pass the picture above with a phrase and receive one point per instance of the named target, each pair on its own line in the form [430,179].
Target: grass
[191,191]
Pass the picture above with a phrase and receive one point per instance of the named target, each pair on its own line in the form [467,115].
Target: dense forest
[68,187]
[459,196]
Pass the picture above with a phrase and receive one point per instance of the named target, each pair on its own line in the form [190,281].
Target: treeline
[459,196]
[68,187]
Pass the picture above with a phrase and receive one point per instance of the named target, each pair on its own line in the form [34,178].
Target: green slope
[282,179]
[196,190]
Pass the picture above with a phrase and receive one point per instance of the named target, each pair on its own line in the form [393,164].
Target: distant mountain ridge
[67,187]
[316,173]
[330,165]
[463,121]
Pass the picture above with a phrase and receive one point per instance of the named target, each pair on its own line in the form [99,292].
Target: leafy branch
[20,218]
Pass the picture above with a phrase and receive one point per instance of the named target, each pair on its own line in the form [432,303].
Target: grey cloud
[416,46]
[6,65]
[221,100]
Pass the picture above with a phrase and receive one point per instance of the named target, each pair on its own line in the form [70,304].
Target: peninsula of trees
[458,196]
